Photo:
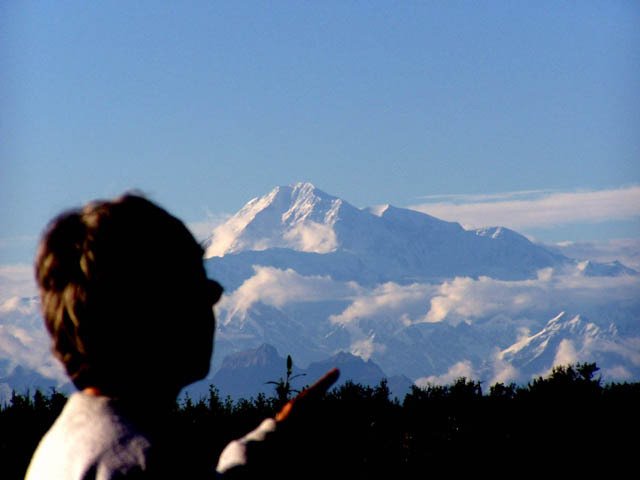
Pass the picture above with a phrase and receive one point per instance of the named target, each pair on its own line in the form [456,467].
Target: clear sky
[523,113]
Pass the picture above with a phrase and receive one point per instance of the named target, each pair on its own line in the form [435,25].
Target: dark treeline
[569,422]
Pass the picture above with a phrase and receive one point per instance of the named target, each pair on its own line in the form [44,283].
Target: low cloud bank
[467,299]
[277,288]
[373,321]
[461,299]
[372,317]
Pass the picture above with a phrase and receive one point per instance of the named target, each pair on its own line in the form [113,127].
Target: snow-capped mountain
[303,228]
[314,276]
[572,337]
[298,217]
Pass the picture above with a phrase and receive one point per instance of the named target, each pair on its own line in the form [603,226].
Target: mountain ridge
[312,275]
[413,254]
[247,373]
[304,226]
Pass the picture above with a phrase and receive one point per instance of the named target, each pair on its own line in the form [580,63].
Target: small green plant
[283,385]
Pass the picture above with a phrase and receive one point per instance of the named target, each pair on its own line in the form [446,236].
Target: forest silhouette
[568,422]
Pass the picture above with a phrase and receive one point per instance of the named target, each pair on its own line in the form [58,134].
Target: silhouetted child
[128,305]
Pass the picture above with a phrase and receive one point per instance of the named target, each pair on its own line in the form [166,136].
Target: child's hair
[116,279]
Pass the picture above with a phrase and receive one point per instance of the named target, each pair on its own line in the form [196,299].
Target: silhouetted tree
[568,418]
[283,385]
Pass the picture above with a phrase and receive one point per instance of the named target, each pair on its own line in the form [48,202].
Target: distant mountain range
[315,277]
[245,374]
[303,228]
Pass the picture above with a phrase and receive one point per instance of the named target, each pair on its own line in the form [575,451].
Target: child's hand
[297,405]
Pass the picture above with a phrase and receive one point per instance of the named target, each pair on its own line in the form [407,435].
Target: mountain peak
[496,233]
[299,217]
[306,187]
[287,194]
[562,331]
[305,200]
[387,241]
[556,319]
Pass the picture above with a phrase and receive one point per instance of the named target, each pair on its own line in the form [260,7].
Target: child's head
[125,297]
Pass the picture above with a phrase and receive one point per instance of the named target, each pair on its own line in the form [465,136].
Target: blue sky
[460,109]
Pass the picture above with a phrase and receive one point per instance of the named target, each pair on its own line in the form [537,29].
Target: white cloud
[466,198]
[313,237]
[202,229]
[366,347]
[548,209]
[17,281]
[456,371]
[461,299]
[502,371]
[306,236]
[225,235]
[275,287]
[464,298]
[388,300]
[467,299]
[566,353]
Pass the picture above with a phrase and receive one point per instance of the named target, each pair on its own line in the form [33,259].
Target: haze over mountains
[313,276]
